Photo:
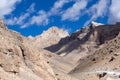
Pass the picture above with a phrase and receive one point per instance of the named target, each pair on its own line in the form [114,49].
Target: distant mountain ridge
[93,36]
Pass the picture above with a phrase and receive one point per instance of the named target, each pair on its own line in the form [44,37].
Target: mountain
[91,53]
[86,40]
[49,37]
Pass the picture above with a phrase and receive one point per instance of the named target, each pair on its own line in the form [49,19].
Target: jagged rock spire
[55,32]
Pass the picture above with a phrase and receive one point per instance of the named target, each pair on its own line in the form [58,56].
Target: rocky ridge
[51,36]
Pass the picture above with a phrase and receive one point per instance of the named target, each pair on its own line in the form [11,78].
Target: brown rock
[20,61]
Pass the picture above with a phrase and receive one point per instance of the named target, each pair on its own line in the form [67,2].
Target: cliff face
[91,53]
[19,61]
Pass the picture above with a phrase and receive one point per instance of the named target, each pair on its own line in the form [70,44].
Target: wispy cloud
[58,6]
[42,17]
[114,11]
[21,19]
[97,10]
[7,6]
[73,13]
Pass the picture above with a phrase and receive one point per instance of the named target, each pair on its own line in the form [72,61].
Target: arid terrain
[91,53]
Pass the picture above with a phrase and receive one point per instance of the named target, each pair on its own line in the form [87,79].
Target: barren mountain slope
[104,61]
[88,54]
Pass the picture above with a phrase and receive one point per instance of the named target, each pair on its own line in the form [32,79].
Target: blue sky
[32,17]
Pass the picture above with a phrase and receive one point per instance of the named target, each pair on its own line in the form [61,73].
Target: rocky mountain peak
[93,23]
[54,32]
[49,37]
[79,34]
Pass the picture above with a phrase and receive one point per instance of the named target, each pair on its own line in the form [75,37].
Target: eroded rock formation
[20,61]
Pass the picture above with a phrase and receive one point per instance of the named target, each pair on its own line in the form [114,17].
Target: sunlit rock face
[49,37]
[20,61]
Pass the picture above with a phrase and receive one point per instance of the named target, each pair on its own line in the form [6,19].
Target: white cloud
[43,17]
[97,10]
[57,6]
[40,19]
[24,16]
[21,19]
[114,11]
[7,6]
[11,21]
[73,13]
